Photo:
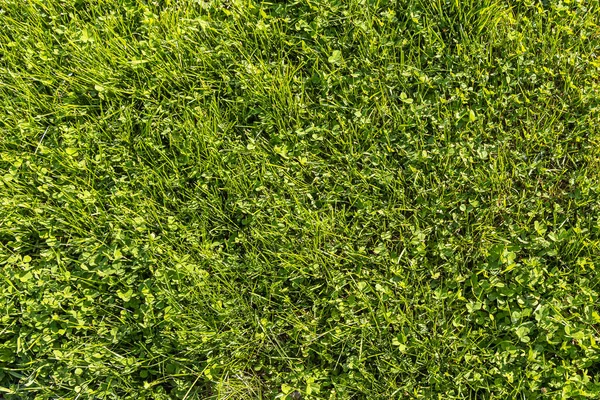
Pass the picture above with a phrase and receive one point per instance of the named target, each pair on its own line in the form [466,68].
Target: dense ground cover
[312,199]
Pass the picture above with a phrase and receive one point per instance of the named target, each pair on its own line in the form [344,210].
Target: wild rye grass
[310,199]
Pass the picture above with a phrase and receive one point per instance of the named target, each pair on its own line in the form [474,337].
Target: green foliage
[299,200]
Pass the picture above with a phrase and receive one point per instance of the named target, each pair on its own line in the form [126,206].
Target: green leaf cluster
[321,199]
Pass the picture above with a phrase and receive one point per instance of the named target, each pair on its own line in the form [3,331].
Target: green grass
[304,200]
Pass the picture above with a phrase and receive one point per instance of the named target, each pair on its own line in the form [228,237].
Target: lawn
[310,199]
